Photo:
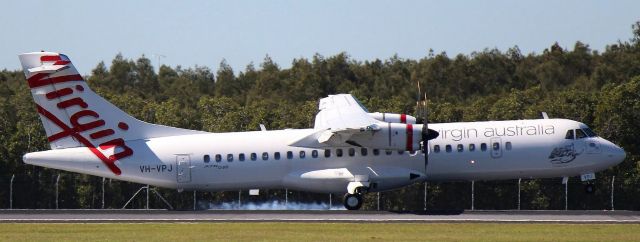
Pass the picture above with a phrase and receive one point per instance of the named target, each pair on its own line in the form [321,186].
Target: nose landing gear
[589,188]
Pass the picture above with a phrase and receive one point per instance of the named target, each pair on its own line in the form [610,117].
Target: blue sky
[190,33]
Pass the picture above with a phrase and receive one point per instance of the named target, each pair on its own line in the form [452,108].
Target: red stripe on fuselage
[403,118]
[409,137]
[70,132]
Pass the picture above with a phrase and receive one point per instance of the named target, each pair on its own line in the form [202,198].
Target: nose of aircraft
[616,154]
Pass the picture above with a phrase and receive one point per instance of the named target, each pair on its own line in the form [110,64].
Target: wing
[342,111]
[340,117]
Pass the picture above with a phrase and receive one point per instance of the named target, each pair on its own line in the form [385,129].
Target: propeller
[427,134]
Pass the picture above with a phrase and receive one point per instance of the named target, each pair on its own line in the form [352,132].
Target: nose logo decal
[564,154]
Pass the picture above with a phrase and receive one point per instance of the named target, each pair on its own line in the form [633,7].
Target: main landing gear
[354,201]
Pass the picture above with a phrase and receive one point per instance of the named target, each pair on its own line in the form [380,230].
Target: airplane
[349,150]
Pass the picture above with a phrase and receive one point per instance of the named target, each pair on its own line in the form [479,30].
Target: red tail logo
[85,113]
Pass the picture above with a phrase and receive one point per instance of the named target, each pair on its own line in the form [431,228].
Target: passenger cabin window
[580,134]
[241,157]
[436,148]
[254,156]
[229,157]
[314,153]
[218,158]
[388,152]
[507,145]
[400,152]
[265,156]
[569,134]
[352,151]
[376,152]
[363,151]
[448,148]
[302,154]
[483,146]
[327,153]
[206,158]
[460,147]
[496,146]
[472,147]
[339,152]
[289,155]
[276,155]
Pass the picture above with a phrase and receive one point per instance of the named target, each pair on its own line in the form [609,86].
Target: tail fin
[75,116]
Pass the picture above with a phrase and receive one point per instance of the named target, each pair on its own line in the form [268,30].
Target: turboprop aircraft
[349,150]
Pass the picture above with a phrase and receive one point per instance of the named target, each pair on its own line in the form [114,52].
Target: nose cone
[617,154]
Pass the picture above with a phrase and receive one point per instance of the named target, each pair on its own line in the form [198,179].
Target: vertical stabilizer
[75,116]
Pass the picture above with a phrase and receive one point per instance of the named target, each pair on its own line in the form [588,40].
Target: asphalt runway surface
[332,216]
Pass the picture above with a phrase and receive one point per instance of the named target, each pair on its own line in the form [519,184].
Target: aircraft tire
[589,188]
[352,201]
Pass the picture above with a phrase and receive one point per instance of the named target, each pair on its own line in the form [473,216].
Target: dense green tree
[226,83]
[617,117]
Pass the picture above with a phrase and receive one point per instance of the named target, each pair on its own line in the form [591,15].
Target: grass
[318,232]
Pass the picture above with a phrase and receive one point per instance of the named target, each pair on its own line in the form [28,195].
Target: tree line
[600,89]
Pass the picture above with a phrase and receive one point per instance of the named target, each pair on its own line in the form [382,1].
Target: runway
[149,216]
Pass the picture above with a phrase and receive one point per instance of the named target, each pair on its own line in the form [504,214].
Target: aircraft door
[496,147]
[183,165]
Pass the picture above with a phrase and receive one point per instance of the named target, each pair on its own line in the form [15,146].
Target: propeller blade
[427,133]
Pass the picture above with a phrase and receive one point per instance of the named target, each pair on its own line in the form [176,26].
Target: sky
[203,33]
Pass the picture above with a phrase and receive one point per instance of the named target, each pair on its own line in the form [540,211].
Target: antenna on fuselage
[544,115]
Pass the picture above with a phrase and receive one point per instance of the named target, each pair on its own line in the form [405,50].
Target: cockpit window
[580,134]
[590,132]
[569,134]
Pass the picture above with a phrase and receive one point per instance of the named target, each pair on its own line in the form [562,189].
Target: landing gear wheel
[589,188]
[352,201]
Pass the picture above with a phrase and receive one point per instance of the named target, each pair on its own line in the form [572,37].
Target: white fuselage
[514,149]
[349,150]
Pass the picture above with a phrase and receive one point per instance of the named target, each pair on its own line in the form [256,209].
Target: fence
[74,191]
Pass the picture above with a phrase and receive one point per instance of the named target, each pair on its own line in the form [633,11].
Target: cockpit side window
[569,134]
[590,132]
[580,134]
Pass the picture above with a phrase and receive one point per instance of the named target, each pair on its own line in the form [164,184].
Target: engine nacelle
[393,118]
[392,136]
